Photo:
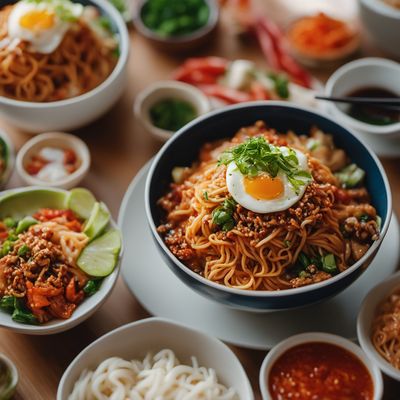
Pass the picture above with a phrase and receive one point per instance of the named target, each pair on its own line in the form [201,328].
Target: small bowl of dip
[319,365]
[8,378]
[53,159]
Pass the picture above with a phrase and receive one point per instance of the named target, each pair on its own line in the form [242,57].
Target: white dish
[69,114]
[57,140]
[164,90]
[142,263]
[364,322]
[84,310]
[296,340]
[134,340]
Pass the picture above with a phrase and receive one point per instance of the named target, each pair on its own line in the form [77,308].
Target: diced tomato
[229,95]
[69,157]
[258,91]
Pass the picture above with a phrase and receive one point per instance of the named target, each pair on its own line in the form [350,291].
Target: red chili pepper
[275,50]
[207,65]
[229,95]
[199,77]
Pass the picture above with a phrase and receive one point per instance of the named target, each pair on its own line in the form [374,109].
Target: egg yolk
[263,187]
[37,20]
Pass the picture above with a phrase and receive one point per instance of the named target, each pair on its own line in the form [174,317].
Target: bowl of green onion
[176,25]
[166,106]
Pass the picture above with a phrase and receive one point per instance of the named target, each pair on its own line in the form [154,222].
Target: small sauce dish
[368,311]
[8,378]
[306,346]
[163,91]
[53,159]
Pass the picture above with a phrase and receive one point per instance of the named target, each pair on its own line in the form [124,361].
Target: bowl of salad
[59,257]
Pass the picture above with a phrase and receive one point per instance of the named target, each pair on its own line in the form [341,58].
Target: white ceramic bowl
[8,391]
[382,21]
[163,90]
[84,310]
[134,340]
[292,341]
[365,317]
[10,158]
[365,72]
[69,114]
[58,140]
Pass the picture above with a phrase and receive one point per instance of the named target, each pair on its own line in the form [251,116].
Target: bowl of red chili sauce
[319,366]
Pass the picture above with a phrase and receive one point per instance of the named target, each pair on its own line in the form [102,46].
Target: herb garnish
[223,215]
[64,9]
[256,155]
[281,84]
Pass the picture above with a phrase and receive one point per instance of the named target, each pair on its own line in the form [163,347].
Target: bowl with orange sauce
[378,326]
[319,365]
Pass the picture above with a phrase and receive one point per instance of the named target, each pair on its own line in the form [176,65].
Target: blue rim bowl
[182,149]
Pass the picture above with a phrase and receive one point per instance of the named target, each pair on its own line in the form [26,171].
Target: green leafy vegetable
[23,250]
[205,195]
[256,155]
[92,286]
[223,215]
[172,114]
[329,264]
[350,176]
[17,309]
[6,247]
[281,84]
[174,17]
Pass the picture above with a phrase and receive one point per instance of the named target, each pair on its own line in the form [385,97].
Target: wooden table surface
[119,148]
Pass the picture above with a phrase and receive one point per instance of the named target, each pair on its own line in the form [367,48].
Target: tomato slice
[231,96]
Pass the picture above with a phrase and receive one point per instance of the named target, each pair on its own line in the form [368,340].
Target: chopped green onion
[92,286]
[287,243]
[364,218]
[23,250]
[205,195]
[223,215]
[10,222]
[378,222]
[304,260]
[350,176]
[329,264]
[281,85]
[6,248]
[25,223]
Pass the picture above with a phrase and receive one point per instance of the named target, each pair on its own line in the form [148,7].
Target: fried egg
[40,23]
[264,194]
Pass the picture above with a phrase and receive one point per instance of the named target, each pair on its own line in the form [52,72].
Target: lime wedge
[99,257]
[97,221]
[81,202]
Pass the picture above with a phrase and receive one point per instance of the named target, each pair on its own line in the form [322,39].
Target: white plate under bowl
[164,295]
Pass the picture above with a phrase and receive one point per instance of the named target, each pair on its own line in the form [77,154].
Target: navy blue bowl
[183,148]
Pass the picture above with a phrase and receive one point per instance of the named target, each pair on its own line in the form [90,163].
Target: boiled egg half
[41,24]
[263,194]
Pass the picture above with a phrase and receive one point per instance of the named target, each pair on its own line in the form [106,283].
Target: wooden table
[119,148]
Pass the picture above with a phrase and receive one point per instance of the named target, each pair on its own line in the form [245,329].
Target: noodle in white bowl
[156,377]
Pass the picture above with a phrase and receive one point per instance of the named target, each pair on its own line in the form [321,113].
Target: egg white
[235,184]
[43,41]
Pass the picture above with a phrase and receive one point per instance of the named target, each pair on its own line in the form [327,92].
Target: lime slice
[81,202]
[99,257]
[97,221]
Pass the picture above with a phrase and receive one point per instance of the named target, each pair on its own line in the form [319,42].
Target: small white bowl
[364,322]
[10,389]
[164,90]
[10,158]
[89,305]
[366,72]
[383,23]
[292,341]
[70,114]
[136,339]
[59,140]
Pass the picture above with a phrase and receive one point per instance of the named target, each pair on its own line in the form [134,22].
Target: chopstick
[389,103]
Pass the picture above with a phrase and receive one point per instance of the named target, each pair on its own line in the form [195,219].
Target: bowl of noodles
[267,206]
[62,62]
[155,358]
[378,326]
[59,257]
